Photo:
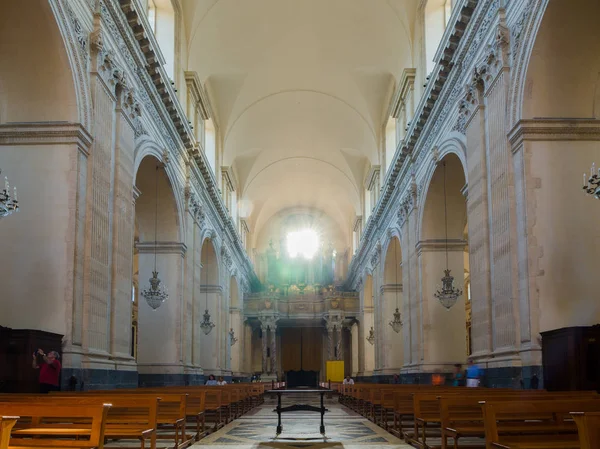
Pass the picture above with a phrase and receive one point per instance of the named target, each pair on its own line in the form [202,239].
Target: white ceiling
[300,90]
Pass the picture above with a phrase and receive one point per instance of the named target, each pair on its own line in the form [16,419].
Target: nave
[344,429]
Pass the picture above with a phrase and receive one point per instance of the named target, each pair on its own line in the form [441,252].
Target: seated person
[221,381]
[211,380]
[348,381]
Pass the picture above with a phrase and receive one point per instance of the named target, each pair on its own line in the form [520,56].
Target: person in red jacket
[49,370]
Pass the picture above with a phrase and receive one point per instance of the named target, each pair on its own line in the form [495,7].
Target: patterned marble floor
[344,430]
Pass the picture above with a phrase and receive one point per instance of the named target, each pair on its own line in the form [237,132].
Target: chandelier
[591,186]
[206,325]
[396,323]
[448,295]
[232,337]
[8,204]
[156,294]
[371,337]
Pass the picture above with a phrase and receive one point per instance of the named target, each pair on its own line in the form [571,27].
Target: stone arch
[157,329]
[444,330]
[236,321]
[38,101]
[25,96]
[148,148]
[565,63]
[454,145]
[213,347]
[392,299]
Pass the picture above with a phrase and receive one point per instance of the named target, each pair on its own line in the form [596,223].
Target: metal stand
[300,407]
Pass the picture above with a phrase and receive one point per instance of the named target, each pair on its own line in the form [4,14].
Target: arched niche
[444,330]
[156,220]
[393,343]
[213,345]
[563,75]
[236,322]
[366,350]
[36,81]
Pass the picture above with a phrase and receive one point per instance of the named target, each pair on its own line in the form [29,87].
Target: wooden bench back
[497,412]
[91,435]
[588,428]
[6,424]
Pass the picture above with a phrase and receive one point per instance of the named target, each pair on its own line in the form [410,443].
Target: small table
[300,407]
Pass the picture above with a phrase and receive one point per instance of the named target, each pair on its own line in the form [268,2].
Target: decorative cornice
[161,248]
[371,176]
[210,288]
[391,288]
[440,245]
[554,130]
[46,133]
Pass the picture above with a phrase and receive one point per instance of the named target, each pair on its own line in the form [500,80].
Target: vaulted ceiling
[300,91]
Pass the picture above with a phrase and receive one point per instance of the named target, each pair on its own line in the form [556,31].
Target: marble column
[338,344]
[273,328]
[264,328]
[330,329]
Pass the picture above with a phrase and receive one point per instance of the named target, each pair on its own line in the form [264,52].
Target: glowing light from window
[303,243]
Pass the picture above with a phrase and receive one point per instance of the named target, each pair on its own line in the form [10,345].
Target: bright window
[303,243]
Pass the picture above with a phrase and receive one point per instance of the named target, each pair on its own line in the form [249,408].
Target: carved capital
[497,57]
[469,104]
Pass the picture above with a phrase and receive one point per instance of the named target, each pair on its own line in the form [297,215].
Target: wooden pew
[6,424]
[588,428]
[88,434]
[462,415]
[171,417]
[548,423]
[130,416]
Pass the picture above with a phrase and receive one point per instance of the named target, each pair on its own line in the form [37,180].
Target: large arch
[392,300]
[444,330]
[38,98]
[558,279]
[213,349]
[157,232]
[236,321]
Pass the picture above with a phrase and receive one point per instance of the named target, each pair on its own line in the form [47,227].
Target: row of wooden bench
[94,419]
[435,416]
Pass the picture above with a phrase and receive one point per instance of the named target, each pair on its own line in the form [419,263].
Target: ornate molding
[46,133]
[554,130]
[497,57]
[161,248]
[470,103]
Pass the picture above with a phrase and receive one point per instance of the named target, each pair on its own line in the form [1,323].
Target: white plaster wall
[444,330]
[37,254]
[565,240]
[159,347]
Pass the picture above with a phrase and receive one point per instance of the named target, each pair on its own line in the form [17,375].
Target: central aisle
[344,428]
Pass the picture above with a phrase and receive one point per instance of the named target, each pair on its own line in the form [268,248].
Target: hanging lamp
[232,337]
[396,323]
[448,295]
[206,325]
[156,294]
[371,337]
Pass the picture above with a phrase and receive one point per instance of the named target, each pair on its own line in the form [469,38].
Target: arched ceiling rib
[300,90]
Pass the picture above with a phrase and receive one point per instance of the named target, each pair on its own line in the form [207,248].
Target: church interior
[362,199]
